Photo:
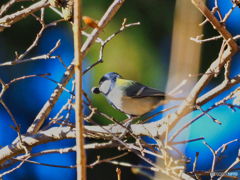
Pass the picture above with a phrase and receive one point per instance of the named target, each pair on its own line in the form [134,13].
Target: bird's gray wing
[137,90]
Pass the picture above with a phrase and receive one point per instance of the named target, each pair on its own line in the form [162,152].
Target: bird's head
[106,83]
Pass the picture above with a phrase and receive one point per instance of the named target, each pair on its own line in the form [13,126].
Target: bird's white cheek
[105,86]
[115,97]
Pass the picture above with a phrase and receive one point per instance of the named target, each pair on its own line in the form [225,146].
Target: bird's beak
[95,90]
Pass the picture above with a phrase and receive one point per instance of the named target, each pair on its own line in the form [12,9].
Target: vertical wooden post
[81,158]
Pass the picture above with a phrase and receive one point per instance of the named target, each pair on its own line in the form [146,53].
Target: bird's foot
[127,127]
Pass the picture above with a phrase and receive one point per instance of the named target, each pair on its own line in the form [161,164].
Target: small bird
[130,97]
[90,23]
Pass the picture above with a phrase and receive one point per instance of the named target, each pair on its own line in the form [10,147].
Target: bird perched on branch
[130,97]
[90,23]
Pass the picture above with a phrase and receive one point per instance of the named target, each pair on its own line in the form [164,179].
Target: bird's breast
[132,106]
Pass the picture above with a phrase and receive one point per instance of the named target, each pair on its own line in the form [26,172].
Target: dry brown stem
[19,15]
[47,108]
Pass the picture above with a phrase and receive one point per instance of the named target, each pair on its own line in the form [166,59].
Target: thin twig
[166,142]
[187,141]
[154,115]
[214,120]
[231,166]
[45,56]
[118,173]
[44,164]
[69,108]
[177,87]
[17,167]
[200,41]
[185,126]
[98,161]
[19,15]
[17,127]
[60,85]
[44,26]
[195,163]
[43,114]
[218,10]
[132,150]
[106,41]
[228,14]
[223,147]
[214,157]
[5,7]
[60,59]
[56,11]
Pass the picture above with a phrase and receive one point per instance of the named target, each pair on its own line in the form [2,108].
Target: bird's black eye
[95,90]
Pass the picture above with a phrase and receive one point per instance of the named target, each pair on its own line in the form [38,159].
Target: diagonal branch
[215,23]
[188,105]
[5,7]
[50,135]
[47,108]
[19,15]
[225,85]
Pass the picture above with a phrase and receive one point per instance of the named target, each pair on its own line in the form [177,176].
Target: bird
[130,97]
[90,23]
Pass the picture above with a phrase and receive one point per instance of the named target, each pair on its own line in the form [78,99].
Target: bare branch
[228,14]
[46,56]
[67,76]
[44,164]
[216,24]
[19,15]
[187,106]
[214,157]
[5,7]
[199,40]
[50,135]
[106,41]
[10,171]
